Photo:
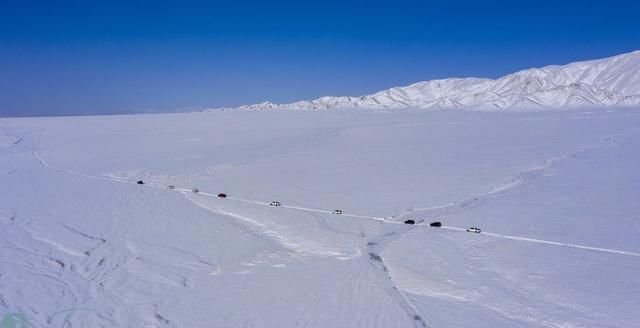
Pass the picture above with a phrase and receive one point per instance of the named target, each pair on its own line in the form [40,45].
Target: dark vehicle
[195,190]
[171,187]
[140,182]
[221,195]
[435,224]
[410,222]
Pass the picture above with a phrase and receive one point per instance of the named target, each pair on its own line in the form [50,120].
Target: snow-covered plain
[555,193]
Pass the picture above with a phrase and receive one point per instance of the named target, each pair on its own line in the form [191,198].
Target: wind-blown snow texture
[555,194]
[613,81]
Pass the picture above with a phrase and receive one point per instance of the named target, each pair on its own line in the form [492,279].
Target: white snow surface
[608,82]
[556,195]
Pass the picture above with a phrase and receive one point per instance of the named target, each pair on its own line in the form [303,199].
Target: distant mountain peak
[612,81]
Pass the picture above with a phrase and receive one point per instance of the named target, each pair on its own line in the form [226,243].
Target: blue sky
[97,57]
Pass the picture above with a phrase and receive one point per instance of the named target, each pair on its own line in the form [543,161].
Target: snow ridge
[613,81]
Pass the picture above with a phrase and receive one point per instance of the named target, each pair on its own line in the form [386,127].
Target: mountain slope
[613,81]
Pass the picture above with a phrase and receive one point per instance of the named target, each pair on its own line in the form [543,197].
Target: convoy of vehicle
[435,224]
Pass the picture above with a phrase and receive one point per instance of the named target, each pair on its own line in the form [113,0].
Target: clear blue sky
[91,57]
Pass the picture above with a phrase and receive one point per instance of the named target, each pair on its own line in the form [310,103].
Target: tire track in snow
[55,168]
[308,209]
[547,242]
[386,280]
[471,202]
[373,218]
[519,179]
[384,220]
[374,248]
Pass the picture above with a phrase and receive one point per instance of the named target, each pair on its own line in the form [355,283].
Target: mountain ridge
[606,82]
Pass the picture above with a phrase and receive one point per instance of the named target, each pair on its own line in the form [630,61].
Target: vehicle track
[467,203]
[375,245]
[548,242]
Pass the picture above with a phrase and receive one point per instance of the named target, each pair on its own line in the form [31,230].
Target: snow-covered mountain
[613,81]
